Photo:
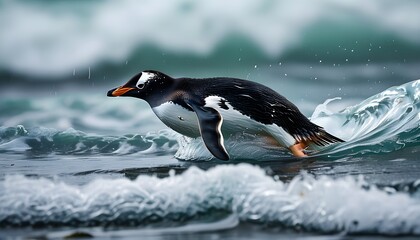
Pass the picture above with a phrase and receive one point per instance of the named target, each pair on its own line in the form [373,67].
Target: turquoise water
[75,161]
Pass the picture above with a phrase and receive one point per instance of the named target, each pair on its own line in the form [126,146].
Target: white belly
[178,118]
[185,122]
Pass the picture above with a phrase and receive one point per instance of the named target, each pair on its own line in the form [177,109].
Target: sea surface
[75,163]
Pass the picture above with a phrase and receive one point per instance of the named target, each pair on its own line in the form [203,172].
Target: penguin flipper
[210,123]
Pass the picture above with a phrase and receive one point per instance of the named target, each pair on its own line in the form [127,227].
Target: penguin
[214,107]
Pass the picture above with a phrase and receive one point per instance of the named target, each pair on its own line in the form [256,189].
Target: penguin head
[143,85]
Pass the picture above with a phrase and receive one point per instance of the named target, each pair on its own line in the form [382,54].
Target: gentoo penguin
[212,107]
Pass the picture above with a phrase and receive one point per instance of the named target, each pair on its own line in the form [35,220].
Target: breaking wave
[322,205]
[382,123]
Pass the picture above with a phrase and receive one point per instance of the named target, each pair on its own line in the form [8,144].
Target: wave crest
[382,123]
[324,204]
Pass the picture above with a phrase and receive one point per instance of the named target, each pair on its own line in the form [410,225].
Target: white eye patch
[145,76]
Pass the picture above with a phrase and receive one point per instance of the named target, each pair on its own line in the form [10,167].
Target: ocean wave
[383,123]
[43,39]
[315,204]
[45,141]
[85,112]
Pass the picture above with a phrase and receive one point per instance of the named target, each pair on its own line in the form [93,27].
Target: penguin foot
[298,148]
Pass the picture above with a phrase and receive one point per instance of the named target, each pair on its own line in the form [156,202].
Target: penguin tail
[322,138]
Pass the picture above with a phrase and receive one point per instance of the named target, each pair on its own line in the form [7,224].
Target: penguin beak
[120,91]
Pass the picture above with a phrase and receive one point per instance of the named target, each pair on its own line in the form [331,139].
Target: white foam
[324,204]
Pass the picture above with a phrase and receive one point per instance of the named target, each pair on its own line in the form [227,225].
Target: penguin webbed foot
[298,149]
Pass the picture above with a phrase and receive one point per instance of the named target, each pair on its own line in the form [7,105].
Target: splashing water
[324,204]
[384,122]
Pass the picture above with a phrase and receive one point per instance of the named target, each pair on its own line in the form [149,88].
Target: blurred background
[307,50]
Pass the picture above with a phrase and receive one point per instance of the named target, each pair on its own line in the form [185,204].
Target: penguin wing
[210,123]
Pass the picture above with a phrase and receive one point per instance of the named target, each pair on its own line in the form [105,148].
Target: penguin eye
[140,86]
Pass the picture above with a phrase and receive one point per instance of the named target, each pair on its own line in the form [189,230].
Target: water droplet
[347,59]
[89,73]
[255,66]
[239,59]
[320,61]
[285,74]
[126,62]
[279,63]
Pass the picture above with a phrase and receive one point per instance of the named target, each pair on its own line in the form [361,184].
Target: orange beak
[119,91]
